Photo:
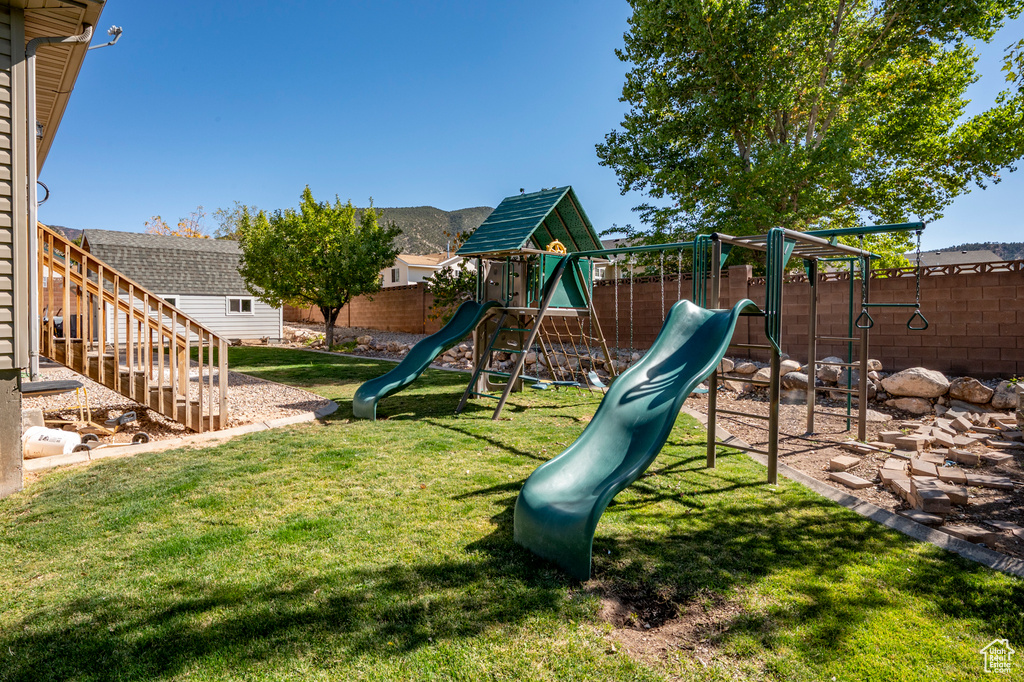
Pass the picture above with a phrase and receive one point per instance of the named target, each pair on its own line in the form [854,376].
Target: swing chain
[864,320]
[917,299]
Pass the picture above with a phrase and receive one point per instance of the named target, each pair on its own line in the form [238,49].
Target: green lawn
[356,550]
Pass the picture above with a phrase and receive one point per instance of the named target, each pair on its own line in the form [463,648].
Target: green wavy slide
[466,318]
[561,502]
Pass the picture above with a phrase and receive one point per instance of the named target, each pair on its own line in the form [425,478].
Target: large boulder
[763,374]
[744,368]
[970,390]
[911,405]
[1005,396]
[829,372]
[726,365]
[787,366]
[916,382]
[794,380]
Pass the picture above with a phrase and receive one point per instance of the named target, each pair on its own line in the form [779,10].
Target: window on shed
[173,300]
[239,306]
[394,275]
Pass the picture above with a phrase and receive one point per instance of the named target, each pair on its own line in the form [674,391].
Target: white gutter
[33,198]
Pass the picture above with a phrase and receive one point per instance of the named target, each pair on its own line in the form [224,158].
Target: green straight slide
[466,318]
[561,502]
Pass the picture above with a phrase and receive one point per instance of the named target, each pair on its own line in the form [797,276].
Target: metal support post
[812,341]
[862,398]
[712,303]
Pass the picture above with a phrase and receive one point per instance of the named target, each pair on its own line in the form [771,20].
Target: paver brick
[961,424]
[843,462]
[922,517]
[957,494]
[931,500]
[849,480]
[890,436]
[965,457]
[983,481]
[971,533]
[922,468]
[912,442]
[952,475]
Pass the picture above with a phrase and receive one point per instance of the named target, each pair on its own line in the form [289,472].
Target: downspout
[33,198]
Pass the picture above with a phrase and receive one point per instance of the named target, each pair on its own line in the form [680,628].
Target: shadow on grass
[735,541]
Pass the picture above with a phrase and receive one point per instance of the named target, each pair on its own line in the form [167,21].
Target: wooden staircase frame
[151,365]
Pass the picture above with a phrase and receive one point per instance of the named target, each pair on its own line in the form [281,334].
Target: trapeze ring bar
[910,322]
[556,247]
[867,324]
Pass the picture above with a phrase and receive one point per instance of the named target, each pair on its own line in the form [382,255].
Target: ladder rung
[484,395]
[494,372]
[514,329]
[758,346]
[837,338]
[853,391]
[837,364]
[742,414]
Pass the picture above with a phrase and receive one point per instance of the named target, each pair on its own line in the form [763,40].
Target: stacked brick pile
[933,466]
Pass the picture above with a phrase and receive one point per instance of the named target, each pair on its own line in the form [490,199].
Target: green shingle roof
[533,221]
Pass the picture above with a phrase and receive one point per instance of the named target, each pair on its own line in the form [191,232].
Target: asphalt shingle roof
[171,265]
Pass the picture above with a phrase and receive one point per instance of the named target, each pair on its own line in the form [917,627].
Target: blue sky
[448,104]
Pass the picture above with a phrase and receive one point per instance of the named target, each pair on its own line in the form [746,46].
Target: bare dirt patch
[654,630]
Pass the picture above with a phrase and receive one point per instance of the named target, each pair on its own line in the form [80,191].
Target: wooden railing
[126,338]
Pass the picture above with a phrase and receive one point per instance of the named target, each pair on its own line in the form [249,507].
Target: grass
[357,550]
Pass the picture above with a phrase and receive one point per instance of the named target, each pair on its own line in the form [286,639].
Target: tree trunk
[330,317]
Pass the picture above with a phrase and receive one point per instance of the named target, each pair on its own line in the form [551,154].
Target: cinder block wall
[976,320]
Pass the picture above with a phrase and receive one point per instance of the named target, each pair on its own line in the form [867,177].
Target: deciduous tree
[746,115]
[193,225]
[317,255]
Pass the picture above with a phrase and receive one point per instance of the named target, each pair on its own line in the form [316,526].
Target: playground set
[537,257]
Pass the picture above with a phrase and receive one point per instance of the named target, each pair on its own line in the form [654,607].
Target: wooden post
[222,378]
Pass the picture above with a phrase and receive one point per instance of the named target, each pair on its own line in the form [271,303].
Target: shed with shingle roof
[199,276]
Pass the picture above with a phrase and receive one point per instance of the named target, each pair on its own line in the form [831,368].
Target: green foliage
[450,287]
[750,115]
[318,255]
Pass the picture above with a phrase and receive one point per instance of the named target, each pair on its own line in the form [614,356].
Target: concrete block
[971,533]
[983,481]
[996,458]
[952,475]
[933,520]
[913,442]
[935,458]
[849,480]
[919,467]
[943,439]
[882,445]
[932,500]
[843,462]
[957,494]
[890,436]
[961,424]
[901,486]
[895,464]
[890,476]
[965,457]
[964,441]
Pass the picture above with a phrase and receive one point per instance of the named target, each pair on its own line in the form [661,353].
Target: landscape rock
[874,365]
[794,380]
[970,390]
[916,382]
[1005,396]
[727,365]
[364,340]
[787,366]
[830,372]
[912,405]
[763,374]
[744,368]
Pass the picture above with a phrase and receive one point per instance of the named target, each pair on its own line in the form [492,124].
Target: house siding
[209,311]
[13,273]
